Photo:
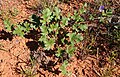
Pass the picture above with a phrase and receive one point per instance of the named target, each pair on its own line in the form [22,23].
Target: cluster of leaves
[60,34]
[22,29]
[8,25]
[53,22]
[19,29]
[56,30]
[63,68]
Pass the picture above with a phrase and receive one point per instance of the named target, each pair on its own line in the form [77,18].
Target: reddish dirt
[15,51]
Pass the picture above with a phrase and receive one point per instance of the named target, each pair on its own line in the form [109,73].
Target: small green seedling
[8,25]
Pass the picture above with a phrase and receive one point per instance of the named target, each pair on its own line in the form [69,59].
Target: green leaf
[33,26]
[91,17]
[77,17]
[46,12]
[63,40]
[70,50]
[27,27]
[56,13]
[83,27]
[85,5]
[42,38]
[79,38]
[81,19]
[8,25]
[58,54]
[19,30]
[56,29]
[44,30]
[63,67]
[109,12]
[64,21]
[43,22]
[46,15]
[53,27]
[74,38]
[49,43]
[75,27]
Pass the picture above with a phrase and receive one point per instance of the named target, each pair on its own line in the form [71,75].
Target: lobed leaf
[56,13]
[49,43]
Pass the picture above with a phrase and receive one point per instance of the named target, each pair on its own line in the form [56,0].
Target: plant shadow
[50,67]
[32,45]
[6,35]
[33,34]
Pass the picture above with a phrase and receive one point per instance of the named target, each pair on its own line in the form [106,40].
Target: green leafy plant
[47,16]
[8,25]
[59,52]
[75,38]
[49,44]
[56,13]
[49,29]
[22,29]
[91,17]
[53,22]
[53,31]
[77,16]
[63,68]
[70,50]
[64,21]
[19,30]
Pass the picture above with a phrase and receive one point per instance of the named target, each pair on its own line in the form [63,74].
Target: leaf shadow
[6,35]
[32,45]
